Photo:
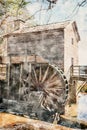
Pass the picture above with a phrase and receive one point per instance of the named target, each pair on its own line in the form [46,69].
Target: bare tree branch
[35,13]
[3,20]
[82,3]
[76,9]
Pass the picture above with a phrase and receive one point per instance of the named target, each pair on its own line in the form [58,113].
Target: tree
[11,9]
[12,6]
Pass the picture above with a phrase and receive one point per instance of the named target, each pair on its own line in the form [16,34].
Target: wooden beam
[21,59]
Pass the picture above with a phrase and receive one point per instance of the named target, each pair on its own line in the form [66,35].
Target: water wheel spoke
[53,80]
[55,83]
[45,75]
[52,76]
[53,93]
[55,88]
[46,91]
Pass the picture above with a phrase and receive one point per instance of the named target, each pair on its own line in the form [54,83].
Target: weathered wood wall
[70,48]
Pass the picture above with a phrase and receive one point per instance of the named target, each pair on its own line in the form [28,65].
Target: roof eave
[74,25]
[38,29]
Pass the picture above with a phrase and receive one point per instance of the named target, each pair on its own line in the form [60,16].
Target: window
[0,59]
[72,61]
[72,41]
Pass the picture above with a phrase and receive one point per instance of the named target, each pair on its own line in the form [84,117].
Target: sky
[64,10]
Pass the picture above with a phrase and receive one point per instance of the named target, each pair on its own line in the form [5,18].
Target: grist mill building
[55,43]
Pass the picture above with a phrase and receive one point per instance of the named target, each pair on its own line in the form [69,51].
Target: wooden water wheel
[48,81]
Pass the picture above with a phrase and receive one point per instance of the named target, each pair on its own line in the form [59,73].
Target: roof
[42,28]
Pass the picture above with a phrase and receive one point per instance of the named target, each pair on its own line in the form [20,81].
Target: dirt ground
[9,121]
[71,111]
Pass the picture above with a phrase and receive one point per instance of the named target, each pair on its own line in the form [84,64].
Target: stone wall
[47,44]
